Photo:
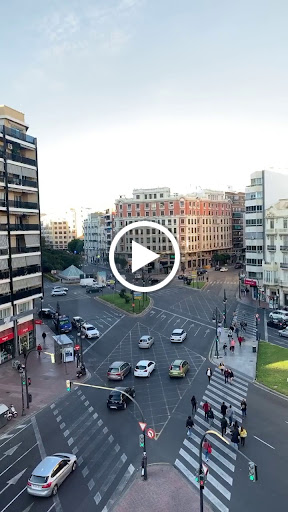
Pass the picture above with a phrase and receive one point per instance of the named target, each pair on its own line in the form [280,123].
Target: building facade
[238,219]
[275,264]
[20,250]
[58,231]
[265,189]
[200,224]
[95,237]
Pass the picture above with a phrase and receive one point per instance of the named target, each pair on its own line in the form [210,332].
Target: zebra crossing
[222,461]
[248,317]
[102,462]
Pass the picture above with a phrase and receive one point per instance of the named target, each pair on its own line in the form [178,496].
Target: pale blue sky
[138,93]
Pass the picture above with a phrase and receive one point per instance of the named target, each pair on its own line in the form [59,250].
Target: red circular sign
[150,433]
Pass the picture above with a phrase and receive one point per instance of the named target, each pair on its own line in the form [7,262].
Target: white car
[279,314]
[144,368]
[56,293]
[178,335]
[60,288]
[90,331]
[284,332]
[223,269]
[146,341]
[138,275]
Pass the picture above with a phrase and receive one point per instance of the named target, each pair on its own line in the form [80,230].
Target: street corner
[158,492]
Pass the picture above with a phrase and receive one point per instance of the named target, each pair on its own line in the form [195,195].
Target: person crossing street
[224,424]
[209,373]
[206,408]
[194,404]
[189,425]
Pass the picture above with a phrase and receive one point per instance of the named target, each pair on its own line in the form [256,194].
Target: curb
[273,391]
[132,315]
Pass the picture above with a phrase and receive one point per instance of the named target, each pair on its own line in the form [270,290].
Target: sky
[126,94]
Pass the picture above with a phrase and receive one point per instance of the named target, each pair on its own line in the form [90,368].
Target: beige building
[20,252]
[59,230]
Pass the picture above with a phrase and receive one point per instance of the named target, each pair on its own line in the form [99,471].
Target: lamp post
[225,310]
[239,286]
[41,306]
[216,318]
[81,338]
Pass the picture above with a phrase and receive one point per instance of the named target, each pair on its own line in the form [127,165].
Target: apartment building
[265,189]
[59,230]
[275,264]
[95,237]
[109,222]
[200,224]
[238,219]
[20,252]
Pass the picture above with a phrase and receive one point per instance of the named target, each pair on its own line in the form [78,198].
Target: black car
[217,267]
[153,280]
[201,271]
[181,276]
[93,289]
[117,399]
[238,265]
[46,313]
[277,324]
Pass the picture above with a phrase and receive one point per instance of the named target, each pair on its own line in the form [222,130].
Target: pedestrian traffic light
[23,380]
[29,381]
[68,385]
[141,440]
[252,471]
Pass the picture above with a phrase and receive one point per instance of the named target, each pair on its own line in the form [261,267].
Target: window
[147,214]
[137,206]
[145,196]
[155,196]
[285,223]
[161,196]
[154,214]
[171,212]
[153,206]
[5,312]
[129,214]
[271,224]
[146,205]
[137,196]
[161,205]
[128,206]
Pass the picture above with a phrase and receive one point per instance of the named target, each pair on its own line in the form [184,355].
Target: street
[106,442]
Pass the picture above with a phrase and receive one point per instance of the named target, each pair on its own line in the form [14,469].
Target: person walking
[232,346]
[219,332]
[226,375]
[230,415]
[243,435]
[206,408]
[225,349]
[189,425]
[223,409]
[230,376]
[221,367]
[44,338]
[240,339]
[209,373]
[237,331]
[224,424]
[210,416]
[235,438]
[230,334]
[39,349]
[207,448]
[194,404]
[243,406]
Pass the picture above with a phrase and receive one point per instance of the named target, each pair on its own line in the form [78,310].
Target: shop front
[6,345]
[26,336]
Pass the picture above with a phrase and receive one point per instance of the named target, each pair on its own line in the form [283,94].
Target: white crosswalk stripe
[247,317]
[222,460]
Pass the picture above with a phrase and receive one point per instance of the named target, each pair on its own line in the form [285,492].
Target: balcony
[22,227]
[4,274]
[21,182]
[23,250]
[283,247]
[3,203]
[25,271]
[17,134]
[21,159]
[22,294]
[271,247]
[4,252]
[27,205]
[284,265]
[5,299]
[3,227]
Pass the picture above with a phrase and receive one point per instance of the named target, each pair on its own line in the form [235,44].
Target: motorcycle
[13,411]
[81,371]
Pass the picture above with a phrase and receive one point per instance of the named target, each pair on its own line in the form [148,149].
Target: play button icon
[141,256]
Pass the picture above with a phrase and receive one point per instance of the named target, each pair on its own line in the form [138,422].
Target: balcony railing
[284,265]
[283,247]
[4,274]
[23,227]
[22,183]
[3,203]
[4,252]
[21,159]
[271,247]
[23,204]
[17,134]
[22,294]
[4,299]
[20,250]
[3,227]
[24,271]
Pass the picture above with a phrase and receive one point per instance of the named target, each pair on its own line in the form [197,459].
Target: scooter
[81,371]
[13,411]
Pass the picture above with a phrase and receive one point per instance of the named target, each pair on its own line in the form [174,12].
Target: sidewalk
[248,301]
[47,379]
[243,360]
[165,490]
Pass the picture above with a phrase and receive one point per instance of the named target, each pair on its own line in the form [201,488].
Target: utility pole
[225,309]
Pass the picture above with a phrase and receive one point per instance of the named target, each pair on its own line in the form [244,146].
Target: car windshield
[176,333]
[113,370]
[91,328]
[115,396]
[38,479]
[64,322]
[141,367]
[175,367]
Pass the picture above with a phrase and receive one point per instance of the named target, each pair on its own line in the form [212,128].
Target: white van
[89,281]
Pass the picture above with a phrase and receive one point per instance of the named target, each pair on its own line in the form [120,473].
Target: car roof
[76,317]
[145,337]
[177,331]
[46,465]
[143,361]
[178,361]
[88,325]
[116,364]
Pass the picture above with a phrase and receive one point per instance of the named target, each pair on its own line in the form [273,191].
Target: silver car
[284,332]
[50,473]
[145,341]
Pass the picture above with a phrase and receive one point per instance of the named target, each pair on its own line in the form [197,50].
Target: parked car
[223,269]
[178,335]
[146,341]
[93,289]
[118,370]
[89,330]
[178,368]
[152,281]
[144,368]
[277,324]
[284,333]
[77,321]
[238,265]
[62,323]
[117,399]
[279,314]
[110,282]
[46,313]
[50,474]
[60,288]
[201,271]
[56,293]
[217,267]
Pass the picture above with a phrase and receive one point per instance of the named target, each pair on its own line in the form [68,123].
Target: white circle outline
[152,225]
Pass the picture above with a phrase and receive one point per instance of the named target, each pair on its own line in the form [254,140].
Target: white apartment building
[95,246]
[265,189]
[275,265]
[59,230]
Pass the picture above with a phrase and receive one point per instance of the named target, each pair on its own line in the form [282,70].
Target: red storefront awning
[6,335]
[38,321]
[25,327]
[250,282]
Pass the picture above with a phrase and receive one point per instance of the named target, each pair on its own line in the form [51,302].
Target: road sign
[142,425]
[151,433]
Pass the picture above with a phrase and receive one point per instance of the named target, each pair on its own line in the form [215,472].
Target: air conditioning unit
[10,146]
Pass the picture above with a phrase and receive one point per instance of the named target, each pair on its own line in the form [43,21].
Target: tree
[221,258]
[119,260]
[76,245]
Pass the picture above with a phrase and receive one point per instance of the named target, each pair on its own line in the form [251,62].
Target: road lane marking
[10,503]
[13,435]
[103,334]
[18,459]
[197,331]
[264,442]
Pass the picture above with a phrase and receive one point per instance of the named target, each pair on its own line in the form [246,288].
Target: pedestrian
[224,424]
[232,327]
[219,331]
[24,351]
[226,375]
[223,409]
[206,408]
[44,338]
[243,406]
[240,339]
[232,346]
[230,415]
[221,367]
[225,349]
[209,373]
[210,415]
[243,435]
[230,376]
[207,279]
[235,438]
[230,334]
[194,404]
[189,425]
[39,349]
[237,331]
[207,448]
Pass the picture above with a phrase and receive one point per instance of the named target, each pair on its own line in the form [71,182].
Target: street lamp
[239,285]
[81,338]
[225,310]
[41,305]
[216,318]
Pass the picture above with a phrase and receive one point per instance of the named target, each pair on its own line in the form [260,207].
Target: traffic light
[141,440]
[197,475]
[23,379]
[68,385]
[29,381]
[252,471]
